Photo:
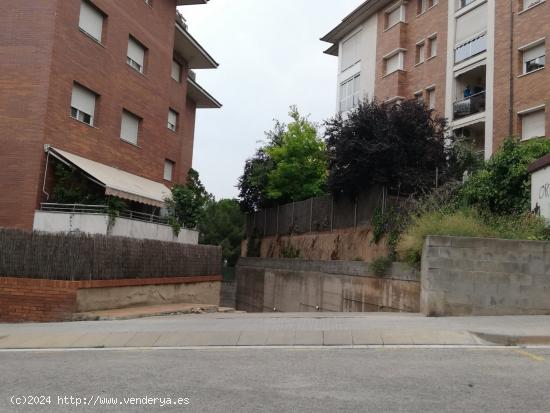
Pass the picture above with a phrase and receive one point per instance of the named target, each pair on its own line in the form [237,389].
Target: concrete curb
[511,340]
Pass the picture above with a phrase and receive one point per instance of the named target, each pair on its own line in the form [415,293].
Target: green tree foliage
[188,201]
[222,223]
[397,146]
[503,184]
[300,166]
[72,187]
[291,166]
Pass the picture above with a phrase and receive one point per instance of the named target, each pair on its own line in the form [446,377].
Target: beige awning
[117,182]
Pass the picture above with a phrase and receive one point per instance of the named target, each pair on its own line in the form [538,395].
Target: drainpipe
[511,102]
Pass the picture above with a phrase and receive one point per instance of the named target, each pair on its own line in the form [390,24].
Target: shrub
[380,266]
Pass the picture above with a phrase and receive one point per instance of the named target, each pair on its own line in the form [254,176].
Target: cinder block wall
[475,276]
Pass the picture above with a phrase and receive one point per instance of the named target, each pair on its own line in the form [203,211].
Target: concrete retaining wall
[266,285]
[473,276]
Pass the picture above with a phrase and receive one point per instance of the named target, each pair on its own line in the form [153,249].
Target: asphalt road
[284,380]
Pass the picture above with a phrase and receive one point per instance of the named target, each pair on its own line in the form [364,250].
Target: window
[420,52]
[176,71]
[431,98]
[530,3]
[394,62]
[149,2]
[136,55]
[432,46]
[172,120]
[533,124]
[350,93]
[83,104]
[534,58]
[471,24]
[129,128]
[351,51]
[91,20]
[419,96]
[168,170]
[394,16]
[424,5]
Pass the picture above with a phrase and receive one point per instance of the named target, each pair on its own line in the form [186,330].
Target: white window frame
[420,52]
[527,4]
[532,111]
[173,126]
[349,101]
[402,15]
[431,97]
[356,38]
[432,45]
[169,170]
[137,66]
[80,113]
[86,6]
[400,62]
[524,50]
[131,140]
[177,70]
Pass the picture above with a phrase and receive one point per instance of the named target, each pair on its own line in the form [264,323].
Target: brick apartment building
[479,63]
[104,87]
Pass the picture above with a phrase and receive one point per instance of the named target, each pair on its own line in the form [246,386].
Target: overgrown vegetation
[380,266]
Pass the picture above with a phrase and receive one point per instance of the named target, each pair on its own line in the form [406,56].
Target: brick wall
[45,53]
[26,299]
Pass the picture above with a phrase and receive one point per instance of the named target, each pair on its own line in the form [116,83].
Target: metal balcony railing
[471,48]
[101,209]
[469,106]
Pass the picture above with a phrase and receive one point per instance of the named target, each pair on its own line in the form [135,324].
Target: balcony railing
[470,105]
[471,48]
[101,209]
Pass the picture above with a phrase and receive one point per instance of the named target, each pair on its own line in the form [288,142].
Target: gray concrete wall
[474,276]
[92,299]
[289,285]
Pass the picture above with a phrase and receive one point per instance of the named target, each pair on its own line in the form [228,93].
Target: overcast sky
[270,58]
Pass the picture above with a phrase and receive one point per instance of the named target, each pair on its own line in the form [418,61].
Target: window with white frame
[168,170]
[91,20]
[530,3]
[394,62]
[533,124]
[419,96]
[432,46]
[129,128]
[136,55]
[172,120]
[534,58]
[395,15]
[424,5]
[351,51]
[420,52]
[431,98]
[350,93]
[176,71]
[83,104]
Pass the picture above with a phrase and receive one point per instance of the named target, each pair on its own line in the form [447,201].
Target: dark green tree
[187,202]
[222,223]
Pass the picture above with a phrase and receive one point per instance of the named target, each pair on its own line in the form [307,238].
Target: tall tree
[188,201]
[393,145]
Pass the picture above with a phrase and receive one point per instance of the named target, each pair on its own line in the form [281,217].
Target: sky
[270,57]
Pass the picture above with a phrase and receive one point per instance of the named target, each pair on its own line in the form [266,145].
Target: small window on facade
[534,58]
[530,3]
[176,71]
[168,170]
[424,5]
[420,52]
[431,98]
[91,20]
[394,63]
[83,104]
[419,96]
[129,128]
[350,93]
[394,16]
[432,46]
[172,120]
[351,51]
[533,124]
[136,55]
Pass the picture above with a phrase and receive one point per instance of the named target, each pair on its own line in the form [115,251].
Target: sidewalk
[280,329]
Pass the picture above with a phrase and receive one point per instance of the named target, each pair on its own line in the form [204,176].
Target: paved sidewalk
[280,329]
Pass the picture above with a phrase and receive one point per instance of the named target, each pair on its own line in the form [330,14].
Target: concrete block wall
[475,276]
[290,285]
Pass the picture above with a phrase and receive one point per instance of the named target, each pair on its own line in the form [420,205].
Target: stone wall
[290,285]
[474,276]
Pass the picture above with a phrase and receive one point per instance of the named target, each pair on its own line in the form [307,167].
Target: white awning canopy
[116,182]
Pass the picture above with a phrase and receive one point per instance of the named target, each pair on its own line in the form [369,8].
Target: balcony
[471,48]
[469,106]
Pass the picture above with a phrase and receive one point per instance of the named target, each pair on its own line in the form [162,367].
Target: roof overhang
[193,53]
[191,2]
[116,182]
[200,96]
[351,21]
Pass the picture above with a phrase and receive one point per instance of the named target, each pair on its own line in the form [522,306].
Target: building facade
[104,87]
[479,63]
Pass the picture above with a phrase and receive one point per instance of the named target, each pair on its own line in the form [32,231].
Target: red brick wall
[530,90]
[49,53]
[24,299]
